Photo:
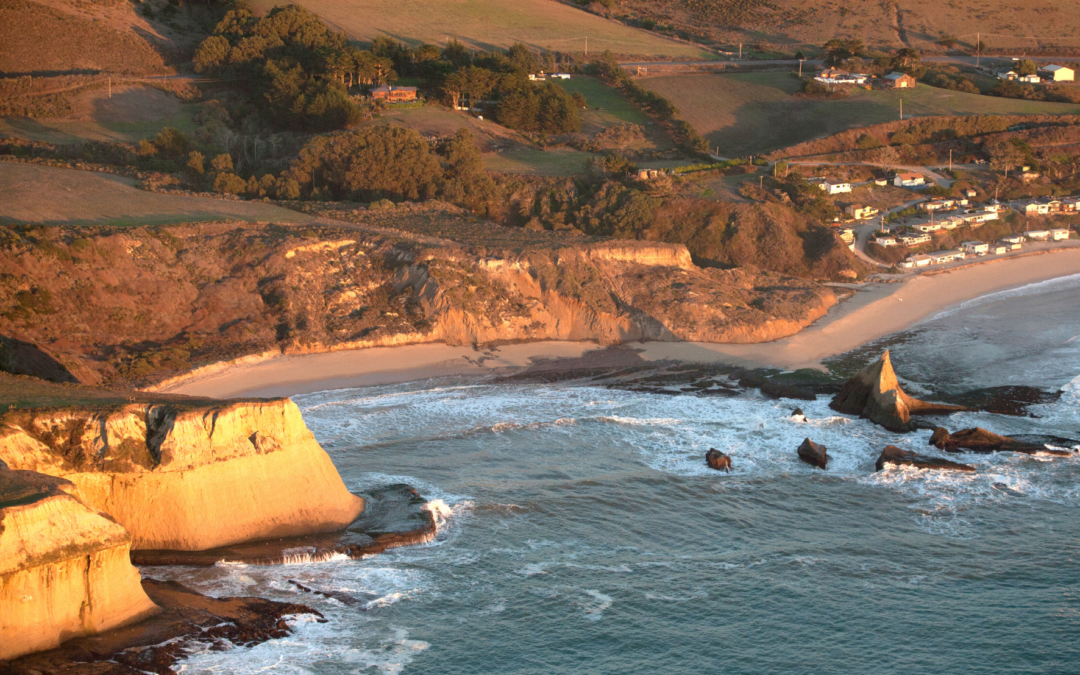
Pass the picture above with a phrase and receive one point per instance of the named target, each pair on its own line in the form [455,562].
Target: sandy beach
[873,312]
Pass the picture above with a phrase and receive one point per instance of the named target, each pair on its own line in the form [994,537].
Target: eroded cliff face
[190,296]
[64,567]
[188,478]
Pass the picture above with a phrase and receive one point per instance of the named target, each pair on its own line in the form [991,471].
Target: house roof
[896,76]
[387,88]
[909,176]
[1053,68]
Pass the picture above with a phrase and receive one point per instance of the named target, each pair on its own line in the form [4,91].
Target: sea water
[581,532]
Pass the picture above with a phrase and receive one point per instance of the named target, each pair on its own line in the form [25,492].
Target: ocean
[581,532]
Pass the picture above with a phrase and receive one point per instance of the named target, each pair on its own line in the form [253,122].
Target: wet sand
[873,312]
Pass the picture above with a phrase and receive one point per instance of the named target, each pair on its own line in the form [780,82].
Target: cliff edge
[188,478]
[64,568]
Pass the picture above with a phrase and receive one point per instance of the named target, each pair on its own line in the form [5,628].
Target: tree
[457,54]
[1026,67]
[887,157]
[948,41]
[1004,155]
[195,162]
[213,52]
[906,59]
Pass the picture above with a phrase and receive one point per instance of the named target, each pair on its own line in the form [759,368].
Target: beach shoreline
[873,312]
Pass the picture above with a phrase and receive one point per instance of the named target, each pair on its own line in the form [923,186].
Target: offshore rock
[717,460]
[188,477]
[813,454]
[64,567]
[982,441]
[875,394]
[898,457]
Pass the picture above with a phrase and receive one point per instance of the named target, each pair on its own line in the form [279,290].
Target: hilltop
[792,24]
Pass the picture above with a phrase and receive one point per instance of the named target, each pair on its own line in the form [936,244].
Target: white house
[560,76]
[1007,75]
[999,249]
[1012,245]
[914,239]
[1059,235]
[834,188]
[941,257]
[1037,235]
[909,180]
[884,241]
[921,260]
[1056,73]
[1030,79]
[929,226]
[975,247]
[1013,239]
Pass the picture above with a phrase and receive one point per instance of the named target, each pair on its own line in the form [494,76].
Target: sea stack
[899,457]
[813,454]
[64,567]
[188,478]
[875,394]
[717,460]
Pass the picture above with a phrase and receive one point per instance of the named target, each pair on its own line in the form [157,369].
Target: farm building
[834,76]
[898,81]
[909,180]
[394,94]
[1056,73]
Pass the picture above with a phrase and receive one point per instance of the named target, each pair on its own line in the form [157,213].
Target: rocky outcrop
[188,477]
[875,394]
[813,454]
[981,441]
[394,515]
[188,623]
[895,456]
[717,460]
[64,567]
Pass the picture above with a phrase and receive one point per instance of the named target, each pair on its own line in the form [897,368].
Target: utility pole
[901,110]
[761,182]
[800,66]
[950,161]
[740,51]
[978,48]
[110,87]
[586,46]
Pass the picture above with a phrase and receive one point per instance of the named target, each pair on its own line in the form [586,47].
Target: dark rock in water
[982,441]
[812,453]
[875,394]
[797,412]
[717,460]
[189,622]
[1006,400]
[774,389]
[899,457]
[1007,490]
[394,515]
[348,599]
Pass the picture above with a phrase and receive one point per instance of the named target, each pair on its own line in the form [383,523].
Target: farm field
[132,114]
[607,105]
[794,24]
[489,24]
[556,162]
[755,113]
[48,195]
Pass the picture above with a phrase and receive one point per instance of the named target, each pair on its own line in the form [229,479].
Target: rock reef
[875,394]
[980,440]
[64,567]
[188,478]
[813,454]
[899,457]
[717,460]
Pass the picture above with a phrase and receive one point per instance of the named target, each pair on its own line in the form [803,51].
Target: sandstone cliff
[64,568]
[182,297]
[875,393]
[188,478]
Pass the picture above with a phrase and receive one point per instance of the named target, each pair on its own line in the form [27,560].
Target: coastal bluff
[64,567]
[187,477]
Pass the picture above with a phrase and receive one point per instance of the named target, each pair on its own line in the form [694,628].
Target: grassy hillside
[41,39]
[487,24]
[895,23]
[756,112]
[41,194]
